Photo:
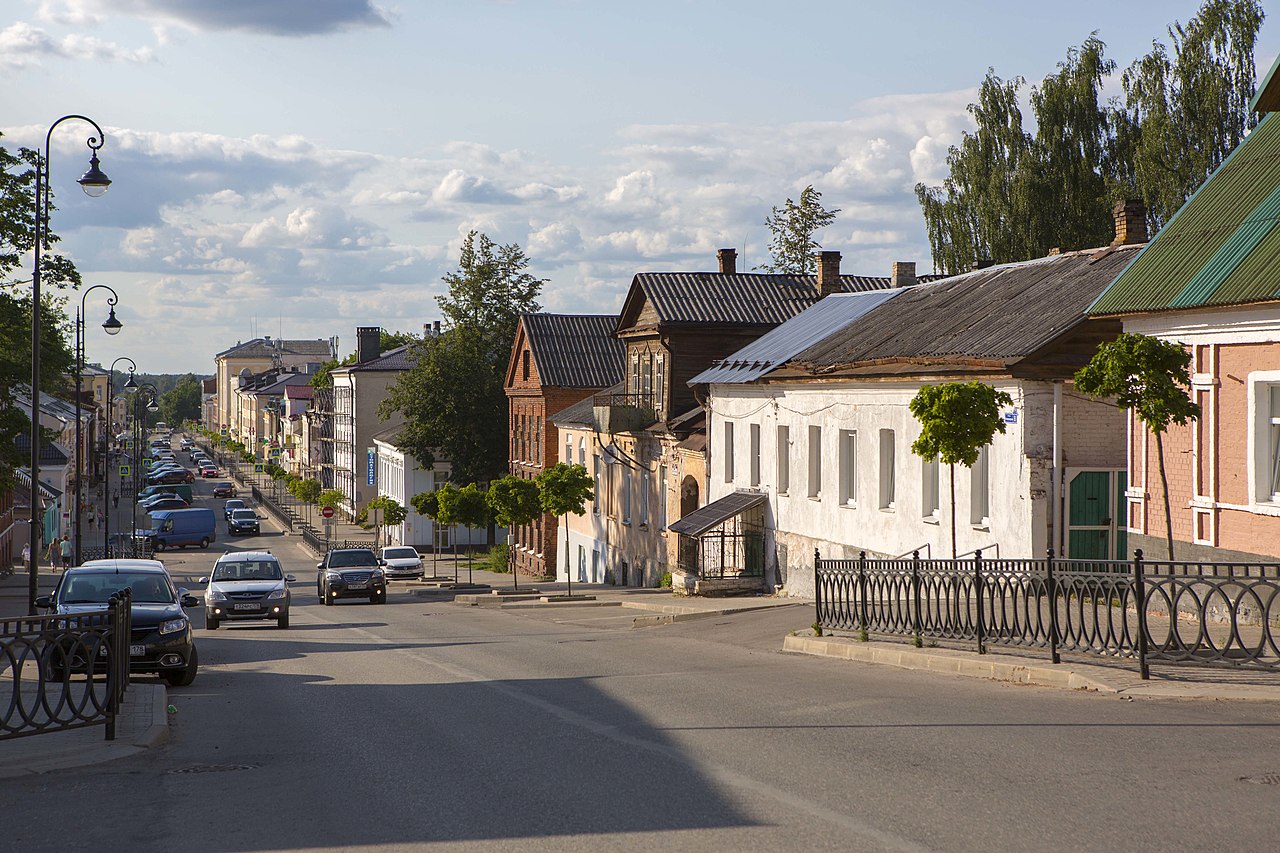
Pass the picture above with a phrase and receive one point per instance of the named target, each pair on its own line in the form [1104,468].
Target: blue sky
[307,166]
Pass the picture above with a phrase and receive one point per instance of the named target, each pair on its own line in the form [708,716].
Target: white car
[246,585]
[401,562]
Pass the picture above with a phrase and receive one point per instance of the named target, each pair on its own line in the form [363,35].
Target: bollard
[817,585]
[977,594]
[1140,596]
[1052,592]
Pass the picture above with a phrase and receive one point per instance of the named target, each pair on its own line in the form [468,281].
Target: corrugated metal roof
[1220,248]
[581,413]
[400,358]
[777,346]
[262,347]
[999,314]
[575,350]
[719,511]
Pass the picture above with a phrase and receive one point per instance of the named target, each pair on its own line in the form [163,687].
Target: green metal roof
[1222,246]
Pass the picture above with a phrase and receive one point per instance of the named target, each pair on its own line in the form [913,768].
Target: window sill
[889,509]
[849,505]
[816,498]
[984,525]
[931,519]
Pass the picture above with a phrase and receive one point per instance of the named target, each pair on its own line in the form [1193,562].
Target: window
[980,490]
[626,495]
[525,364]
[644,497]
[755,455]
[1274,443]
[728,451]
[568,449]
[595,469]
[929,488]
[662,497]
[582,452]
[849,467]
[783,454]
[659,383]
[815,461]
[888,476]
[635,376]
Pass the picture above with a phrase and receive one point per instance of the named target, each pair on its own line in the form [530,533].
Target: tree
[1150,378]
[428,504]
[489,291]
[956,420]
[331,497]
[564,489]
[182,402]
[792,226]
[393,512]
[471,510]
[1010,195]
[307,491]
[446,514]
[515,503]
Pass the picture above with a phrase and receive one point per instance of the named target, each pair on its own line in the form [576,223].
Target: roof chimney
[1131,222]
[829,273]
[983,263]
[904,274]
[368,341]
[728,260]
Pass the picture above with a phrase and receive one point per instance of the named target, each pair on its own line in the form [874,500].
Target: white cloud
[271,17]
[24,46]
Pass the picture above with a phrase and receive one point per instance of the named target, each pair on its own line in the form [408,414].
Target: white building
[401,476]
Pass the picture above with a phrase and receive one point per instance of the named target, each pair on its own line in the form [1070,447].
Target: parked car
[230,507]
[178,528]
[171,502]
[243,521]
[180,475]
[224,490]
[161,641]
[182,490]
[401,562]
[208,470]
[246,585]
[351,573]
[186,444]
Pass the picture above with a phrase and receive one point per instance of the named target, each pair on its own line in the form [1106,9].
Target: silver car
[400,562]
[246,585]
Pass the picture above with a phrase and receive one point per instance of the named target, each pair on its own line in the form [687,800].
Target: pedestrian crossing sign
[259,468]
[124,470]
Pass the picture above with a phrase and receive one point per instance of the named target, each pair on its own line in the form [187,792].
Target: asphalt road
[391,727]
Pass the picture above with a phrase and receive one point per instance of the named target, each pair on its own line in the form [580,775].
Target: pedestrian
[26,556]
[64,551]
[53,555]
[115,499]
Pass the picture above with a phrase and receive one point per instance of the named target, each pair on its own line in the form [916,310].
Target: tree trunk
[1164,486]
[566,554]
[954,547]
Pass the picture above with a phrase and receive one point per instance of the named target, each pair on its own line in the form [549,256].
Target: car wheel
[283,621]
[204,543]
[158,546]
[184,677]
[212,622]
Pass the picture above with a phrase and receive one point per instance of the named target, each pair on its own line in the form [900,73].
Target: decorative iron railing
[282,513]
[1149,610]
[64,672]
[121,547]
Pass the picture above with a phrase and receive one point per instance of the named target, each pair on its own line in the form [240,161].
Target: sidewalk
[1099,675]
[143,723]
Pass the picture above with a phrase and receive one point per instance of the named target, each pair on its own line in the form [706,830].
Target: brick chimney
[1131,222]
[368,343]
[728,261]
[903,274]
[829,273]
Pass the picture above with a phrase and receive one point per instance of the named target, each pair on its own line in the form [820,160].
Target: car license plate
[247,605]
[357,585]
[137,651]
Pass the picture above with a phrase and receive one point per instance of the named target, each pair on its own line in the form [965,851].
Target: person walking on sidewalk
[115,499]
[64,551]
[53,554]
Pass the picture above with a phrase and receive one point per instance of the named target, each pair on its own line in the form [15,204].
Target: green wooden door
[1089,516]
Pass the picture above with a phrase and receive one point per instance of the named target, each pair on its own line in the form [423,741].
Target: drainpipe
[1059,535]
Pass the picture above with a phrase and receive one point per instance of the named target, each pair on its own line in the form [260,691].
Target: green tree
[1011,195]
[957,420]
[564,489]
[307,491]
[791,228]
[182,402]
[471,510]
[331,497]
[446,514]
[515,503]
[488,292]
[1150,378]
[428,504]
[393,512]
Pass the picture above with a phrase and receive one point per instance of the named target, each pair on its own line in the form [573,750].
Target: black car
[161,641]
[168,477]
[351,573]
[243,521]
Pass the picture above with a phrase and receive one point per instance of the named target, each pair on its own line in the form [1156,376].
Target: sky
[303,167]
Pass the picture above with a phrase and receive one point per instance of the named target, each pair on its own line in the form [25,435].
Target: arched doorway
[688,495]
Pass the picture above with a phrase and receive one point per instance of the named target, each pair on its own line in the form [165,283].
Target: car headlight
[333,576]
[276,593]
[217,595]
[173,625]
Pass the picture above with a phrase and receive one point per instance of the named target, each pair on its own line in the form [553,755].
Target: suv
[246,585]
[351,573]
[161,641]
[243,521]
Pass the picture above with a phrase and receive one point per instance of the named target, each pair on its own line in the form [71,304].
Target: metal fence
[317,543]
[64,672]
[120,548]
[1224,613]
[282,512]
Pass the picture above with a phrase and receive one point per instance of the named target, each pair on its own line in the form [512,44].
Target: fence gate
[1096,507]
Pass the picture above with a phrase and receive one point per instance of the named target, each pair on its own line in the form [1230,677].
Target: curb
[681,613]
[158,732]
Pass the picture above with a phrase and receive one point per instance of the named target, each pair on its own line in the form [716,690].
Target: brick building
[556,361]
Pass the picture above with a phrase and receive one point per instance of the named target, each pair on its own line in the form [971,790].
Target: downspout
[1059,535]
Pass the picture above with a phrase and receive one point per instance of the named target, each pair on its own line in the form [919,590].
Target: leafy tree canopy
[182,402]
[514,501]
[488,292]
[564,489]
[1145,374]
[791,228]
[393,512]
[426,503]
[957,420]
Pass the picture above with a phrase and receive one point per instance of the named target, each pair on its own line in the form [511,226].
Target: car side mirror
[382,562]
[190,601]
[319,566]
[203,580]
[45,601]
[289,578]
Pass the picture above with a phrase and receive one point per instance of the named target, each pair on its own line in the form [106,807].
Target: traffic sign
[327,512]
[259,468]
[124,470]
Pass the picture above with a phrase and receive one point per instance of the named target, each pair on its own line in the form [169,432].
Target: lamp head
[130,387]
[94,182]
[111,325]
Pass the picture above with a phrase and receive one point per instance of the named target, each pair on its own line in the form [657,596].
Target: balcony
[623,412]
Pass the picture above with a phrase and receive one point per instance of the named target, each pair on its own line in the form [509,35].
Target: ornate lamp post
[111,326]
[128,386]
[94,183]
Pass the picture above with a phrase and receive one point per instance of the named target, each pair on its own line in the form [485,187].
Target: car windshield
[247,570]
[234,503]
[243,513]
[347,559]
[399,553]
[97,587]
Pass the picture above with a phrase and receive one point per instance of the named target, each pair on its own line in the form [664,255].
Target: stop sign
[327,512]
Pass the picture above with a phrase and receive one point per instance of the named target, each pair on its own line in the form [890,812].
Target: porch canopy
[719,511]
[724,539]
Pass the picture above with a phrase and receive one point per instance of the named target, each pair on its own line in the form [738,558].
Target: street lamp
[106,489]
[94,183]
[111,326]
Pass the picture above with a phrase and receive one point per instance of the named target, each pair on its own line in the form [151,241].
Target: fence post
[1052,589]
[977,594]
[817,588]
[1140,598]
[862,596]
[915,597]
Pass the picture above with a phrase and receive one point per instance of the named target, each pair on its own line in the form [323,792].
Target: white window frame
[980,490]
[728,451]
[662,497]
[595,472]
[815,462]
[930,489]
[848,467]
[1264,438]
[626,495]
[782,452]
[754,455]
[644,498]
[888,470]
